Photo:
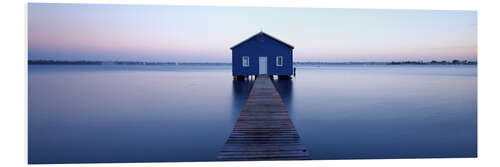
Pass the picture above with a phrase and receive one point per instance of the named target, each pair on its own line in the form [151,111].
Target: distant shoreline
[82,62]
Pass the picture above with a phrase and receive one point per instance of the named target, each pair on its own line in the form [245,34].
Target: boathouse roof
[265,34]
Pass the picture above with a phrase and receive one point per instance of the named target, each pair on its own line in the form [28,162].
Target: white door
[262,65]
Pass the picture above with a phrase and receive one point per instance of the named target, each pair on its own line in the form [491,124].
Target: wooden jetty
[264,130]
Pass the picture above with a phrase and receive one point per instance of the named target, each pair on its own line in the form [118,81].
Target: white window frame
[243,61]
[277,62]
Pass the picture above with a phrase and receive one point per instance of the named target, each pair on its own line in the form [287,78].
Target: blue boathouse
[262,54]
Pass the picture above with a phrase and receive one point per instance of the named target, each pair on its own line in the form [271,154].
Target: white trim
[277,62]
[243,61]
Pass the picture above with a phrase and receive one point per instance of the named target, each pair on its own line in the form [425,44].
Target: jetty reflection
[285,89]
[241,91]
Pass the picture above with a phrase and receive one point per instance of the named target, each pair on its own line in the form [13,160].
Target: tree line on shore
[436,62]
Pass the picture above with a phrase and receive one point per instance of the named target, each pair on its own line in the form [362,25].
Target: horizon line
[231,62]
[84,62]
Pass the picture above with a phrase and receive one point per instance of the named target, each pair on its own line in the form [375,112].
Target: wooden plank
[264,130]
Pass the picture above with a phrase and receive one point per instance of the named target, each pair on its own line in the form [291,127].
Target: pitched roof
[262,33]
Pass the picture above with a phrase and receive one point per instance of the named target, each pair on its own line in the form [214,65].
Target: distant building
[262,54]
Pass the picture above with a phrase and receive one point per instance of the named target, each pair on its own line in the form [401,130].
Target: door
[262,65]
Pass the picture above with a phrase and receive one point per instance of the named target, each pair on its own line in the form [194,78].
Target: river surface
[136,113]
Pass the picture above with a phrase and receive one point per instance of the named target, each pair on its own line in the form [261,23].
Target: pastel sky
[205,34]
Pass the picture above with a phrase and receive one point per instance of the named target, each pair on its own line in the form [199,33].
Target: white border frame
[14,70]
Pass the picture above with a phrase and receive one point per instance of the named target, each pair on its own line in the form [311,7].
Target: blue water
[127,113]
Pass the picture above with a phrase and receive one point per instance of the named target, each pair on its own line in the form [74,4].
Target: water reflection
[285,88]
[241,91]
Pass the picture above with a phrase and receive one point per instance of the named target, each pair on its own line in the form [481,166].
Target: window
[246,61]
[279,61]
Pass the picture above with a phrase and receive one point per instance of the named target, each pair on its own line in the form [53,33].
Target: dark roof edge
[265,35]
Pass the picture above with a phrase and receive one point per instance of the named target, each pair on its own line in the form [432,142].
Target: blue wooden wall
[259,45]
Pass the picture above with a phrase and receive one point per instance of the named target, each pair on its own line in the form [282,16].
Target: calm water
[80,114]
